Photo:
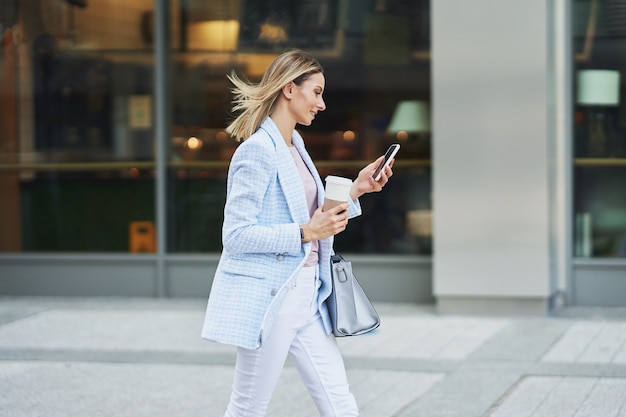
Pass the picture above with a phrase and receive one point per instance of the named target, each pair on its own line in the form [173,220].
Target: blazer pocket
[245,268]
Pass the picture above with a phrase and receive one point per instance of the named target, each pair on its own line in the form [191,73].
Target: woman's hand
[325,224]
[365,183]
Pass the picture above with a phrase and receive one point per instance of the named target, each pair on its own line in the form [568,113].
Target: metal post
[563,66]
[162,129]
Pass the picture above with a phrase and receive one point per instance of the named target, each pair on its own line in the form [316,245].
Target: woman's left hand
[365,183]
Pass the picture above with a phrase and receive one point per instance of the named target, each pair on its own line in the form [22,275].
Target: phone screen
[391,152]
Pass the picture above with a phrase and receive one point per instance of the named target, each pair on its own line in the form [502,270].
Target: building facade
[508,189]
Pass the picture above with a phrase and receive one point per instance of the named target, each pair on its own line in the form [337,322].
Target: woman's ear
[288,90]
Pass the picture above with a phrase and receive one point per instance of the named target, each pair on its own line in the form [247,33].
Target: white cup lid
[338,180]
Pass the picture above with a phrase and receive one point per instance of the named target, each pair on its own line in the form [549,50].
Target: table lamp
[410,116]
[598,89]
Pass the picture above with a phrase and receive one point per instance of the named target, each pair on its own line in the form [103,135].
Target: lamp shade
[410,116]
[598,87]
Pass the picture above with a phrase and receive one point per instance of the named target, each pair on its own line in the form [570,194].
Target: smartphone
[391,152]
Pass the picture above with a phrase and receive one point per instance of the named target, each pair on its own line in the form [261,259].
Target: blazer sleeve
[252,187]
[354,208]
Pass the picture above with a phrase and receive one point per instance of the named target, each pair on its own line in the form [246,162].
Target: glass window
[376,56]
[599,39]
[76,137]
[77,166]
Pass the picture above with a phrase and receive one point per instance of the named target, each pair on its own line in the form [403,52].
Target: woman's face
[307,99]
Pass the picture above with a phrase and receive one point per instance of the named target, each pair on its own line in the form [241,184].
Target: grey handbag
[351,312]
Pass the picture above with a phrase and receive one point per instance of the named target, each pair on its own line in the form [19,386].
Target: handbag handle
[341,273]
[337,262]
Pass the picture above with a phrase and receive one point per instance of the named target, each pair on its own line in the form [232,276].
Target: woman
[273,277]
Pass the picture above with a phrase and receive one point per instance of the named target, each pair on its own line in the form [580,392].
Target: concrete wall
[389,278]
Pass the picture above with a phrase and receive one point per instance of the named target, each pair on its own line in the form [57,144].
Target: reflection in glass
[77,145]
[76,169]
[599,29]
[363,88]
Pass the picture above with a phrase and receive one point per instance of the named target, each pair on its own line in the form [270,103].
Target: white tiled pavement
[143,357]
[555,396]
[591,342]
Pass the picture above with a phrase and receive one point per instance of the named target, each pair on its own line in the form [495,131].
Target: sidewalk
[62,357]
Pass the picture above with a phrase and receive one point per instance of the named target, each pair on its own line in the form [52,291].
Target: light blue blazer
[262,252]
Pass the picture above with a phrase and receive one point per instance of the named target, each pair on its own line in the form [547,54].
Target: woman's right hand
[325,224]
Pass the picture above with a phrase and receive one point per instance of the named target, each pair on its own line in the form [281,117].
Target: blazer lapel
[288,177]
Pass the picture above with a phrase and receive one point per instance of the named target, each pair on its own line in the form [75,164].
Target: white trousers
[298,332]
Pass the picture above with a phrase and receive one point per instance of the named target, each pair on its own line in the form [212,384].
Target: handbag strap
[336,258]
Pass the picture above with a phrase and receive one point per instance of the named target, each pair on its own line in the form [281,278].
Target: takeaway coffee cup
[337,191]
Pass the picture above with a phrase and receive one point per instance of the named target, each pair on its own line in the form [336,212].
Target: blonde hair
[257,101]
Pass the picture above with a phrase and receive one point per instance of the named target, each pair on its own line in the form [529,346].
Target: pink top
[310,190]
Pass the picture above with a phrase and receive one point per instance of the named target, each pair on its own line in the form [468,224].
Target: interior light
[402,135]
[194,143]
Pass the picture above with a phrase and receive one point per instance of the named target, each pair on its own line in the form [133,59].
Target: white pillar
[492,156]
